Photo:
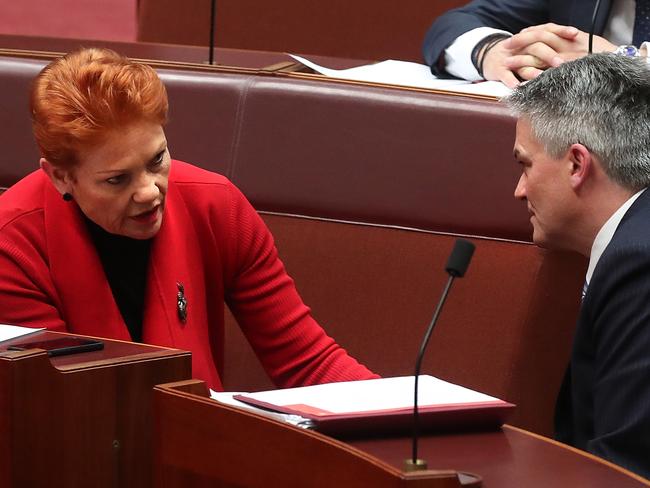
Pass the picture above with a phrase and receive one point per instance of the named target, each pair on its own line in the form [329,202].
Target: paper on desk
[374,395]
[8,332]
[226,397]
[410,74]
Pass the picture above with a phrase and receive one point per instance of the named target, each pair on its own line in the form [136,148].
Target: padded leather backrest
[397,157]
[203,116]
[19,155]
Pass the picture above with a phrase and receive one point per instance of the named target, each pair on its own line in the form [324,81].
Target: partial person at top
[515,40]
[113,238]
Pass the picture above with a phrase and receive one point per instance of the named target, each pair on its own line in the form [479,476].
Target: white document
[409,74]
[8,332]
[226,397]
[374,395]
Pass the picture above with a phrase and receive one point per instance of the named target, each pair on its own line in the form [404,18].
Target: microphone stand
[456,267]
[593,26]
[213,10]
[415,464]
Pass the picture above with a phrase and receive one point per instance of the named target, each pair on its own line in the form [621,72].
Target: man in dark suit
[583,143]
[553,31]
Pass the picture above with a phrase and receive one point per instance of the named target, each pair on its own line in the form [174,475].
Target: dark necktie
[641,22]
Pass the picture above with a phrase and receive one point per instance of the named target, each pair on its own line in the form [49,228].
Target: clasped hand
[526,54]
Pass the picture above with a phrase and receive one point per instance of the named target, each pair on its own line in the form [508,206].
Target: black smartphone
[61,346]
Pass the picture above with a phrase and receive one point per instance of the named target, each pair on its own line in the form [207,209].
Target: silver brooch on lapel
[181,302]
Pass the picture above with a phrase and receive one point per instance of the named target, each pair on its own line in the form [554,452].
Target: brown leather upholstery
[203,116]
[19,154]
[362,29]
[373,155]
[380,155]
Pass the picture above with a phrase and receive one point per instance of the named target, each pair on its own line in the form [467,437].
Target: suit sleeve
[508,15]
[292,347]
[621,340]
[27,295]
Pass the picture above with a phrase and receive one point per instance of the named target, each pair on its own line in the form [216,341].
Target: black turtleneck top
[125,263]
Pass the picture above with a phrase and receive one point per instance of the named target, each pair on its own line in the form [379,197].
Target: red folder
[480,412]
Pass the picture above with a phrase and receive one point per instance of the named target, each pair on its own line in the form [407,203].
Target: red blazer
[211,240]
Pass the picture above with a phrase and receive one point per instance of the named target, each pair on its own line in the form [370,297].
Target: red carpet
[113,20]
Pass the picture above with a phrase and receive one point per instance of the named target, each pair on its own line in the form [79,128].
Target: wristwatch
[627,50]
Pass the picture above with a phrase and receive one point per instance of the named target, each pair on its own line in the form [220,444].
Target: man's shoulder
[634,224]
[629,249]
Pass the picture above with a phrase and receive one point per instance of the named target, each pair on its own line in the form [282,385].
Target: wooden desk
[508,458]
[81,420]
[201,443]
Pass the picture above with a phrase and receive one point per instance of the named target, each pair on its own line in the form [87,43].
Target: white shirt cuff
[645,46]
[458,56]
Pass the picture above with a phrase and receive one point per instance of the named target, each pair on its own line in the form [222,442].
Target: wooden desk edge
[198,391]
[580,452]
[288,69]
[156,352]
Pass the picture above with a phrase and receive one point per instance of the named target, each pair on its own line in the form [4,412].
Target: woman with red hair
[112,238]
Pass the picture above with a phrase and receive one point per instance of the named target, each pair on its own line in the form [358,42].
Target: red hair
[77,99]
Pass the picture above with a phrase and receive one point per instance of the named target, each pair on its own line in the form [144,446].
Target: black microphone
[213,10]
[459,258]
[593,26]
[456,266]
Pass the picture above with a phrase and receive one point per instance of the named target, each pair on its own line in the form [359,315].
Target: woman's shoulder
[202,189]
[23,198]
[187,174]
[204,192]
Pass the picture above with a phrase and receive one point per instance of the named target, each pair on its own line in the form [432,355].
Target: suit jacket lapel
[175,259]
[88,306]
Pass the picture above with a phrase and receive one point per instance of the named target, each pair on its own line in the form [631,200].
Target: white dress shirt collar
[606,233]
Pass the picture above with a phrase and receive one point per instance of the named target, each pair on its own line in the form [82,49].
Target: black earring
[67,197]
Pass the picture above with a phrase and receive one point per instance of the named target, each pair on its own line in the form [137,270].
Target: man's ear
[581,163]
[61,179]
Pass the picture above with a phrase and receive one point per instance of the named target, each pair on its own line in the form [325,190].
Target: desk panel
[84,419]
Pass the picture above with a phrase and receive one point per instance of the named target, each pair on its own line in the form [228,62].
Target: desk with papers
[200,442]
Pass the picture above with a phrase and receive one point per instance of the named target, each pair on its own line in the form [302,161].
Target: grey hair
[601,101]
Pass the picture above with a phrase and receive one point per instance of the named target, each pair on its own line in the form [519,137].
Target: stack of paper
[8,332]
[384,405]
[406,73]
